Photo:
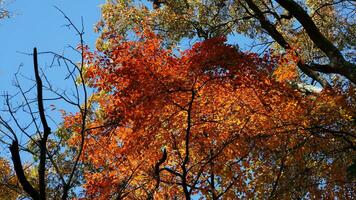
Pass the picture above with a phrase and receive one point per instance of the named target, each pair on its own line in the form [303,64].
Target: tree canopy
[208,121]
[321,32]
[211,122]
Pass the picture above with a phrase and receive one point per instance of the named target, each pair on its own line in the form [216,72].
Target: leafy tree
[211,121]
[320,32]
[9,188]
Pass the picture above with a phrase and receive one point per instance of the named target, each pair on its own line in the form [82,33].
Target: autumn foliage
[209,122]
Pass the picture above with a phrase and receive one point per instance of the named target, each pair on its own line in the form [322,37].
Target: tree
[8,184]
[211,122]
[319,31]
[56,167]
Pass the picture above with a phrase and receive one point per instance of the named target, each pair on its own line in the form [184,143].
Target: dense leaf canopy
[213,122]
[207,121]
[321,32]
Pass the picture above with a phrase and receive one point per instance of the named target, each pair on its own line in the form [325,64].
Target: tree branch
[16,160]
[278,37]
[46,129]
[338,64]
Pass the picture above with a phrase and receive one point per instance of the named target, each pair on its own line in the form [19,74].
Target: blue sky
[37,23]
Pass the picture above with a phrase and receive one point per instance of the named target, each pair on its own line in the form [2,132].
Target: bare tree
[57,175]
